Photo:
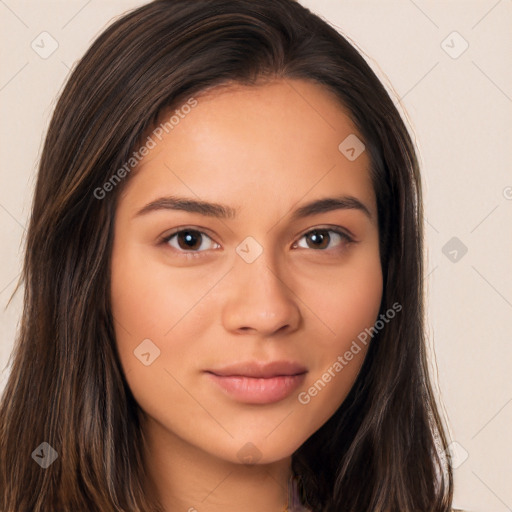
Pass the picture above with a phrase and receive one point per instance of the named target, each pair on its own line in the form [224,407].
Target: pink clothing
[294,504]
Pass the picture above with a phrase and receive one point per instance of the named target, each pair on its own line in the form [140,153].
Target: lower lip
[251,390]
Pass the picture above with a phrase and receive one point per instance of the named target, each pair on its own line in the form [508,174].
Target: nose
[258,300]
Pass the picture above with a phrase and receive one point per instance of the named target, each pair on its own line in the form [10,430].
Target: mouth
[259,383]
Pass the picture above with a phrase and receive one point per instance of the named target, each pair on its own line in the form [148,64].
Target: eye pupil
[318,237]
[190,238]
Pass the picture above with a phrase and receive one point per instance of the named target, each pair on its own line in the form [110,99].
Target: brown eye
[318,239]
[321,238]
[190,240]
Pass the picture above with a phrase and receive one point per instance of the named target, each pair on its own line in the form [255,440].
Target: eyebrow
[220,211]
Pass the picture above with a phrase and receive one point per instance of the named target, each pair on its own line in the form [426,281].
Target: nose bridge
[259,297]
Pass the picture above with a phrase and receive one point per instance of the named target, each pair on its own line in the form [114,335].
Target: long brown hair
[383,449]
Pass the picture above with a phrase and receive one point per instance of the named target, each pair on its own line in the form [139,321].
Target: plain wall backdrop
[447,65]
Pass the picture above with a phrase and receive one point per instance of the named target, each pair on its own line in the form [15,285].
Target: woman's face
[235,320]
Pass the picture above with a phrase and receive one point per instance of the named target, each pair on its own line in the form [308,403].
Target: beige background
[459,105]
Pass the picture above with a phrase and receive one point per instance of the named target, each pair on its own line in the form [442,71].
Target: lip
[259,383]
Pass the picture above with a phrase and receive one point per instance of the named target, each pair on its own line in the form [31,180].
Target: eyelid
[330,227]
[179,229]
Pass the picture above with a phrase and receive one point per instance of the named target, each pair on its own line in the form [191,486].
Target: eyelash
[195,254]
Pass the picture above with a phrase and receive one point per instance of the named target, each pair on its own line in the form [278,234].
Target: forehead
[281,138]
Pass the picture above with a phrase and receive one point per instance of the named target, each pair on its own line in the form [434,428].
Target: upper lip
[260,370]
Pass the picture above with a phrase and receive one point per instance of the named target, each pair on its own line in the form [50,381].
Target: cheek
[135,304]
[151,302]
[140,311]
[347,303]
[148,298]
[146,305]
[349,308]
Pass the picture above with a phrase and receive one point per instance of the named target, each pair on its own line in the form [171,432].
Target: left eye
[320,238]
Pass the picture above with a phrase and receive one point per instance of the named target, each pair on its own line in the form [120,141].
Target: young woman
[223,280]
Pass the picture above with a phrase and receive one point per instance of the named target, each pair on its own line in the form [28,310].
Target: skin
[264,150]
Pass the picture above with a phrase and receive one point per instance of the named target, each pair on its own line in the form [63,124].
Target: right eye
[190,241]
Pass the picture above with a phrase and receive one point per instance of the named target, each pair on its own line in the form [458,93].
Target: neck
[185,478]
